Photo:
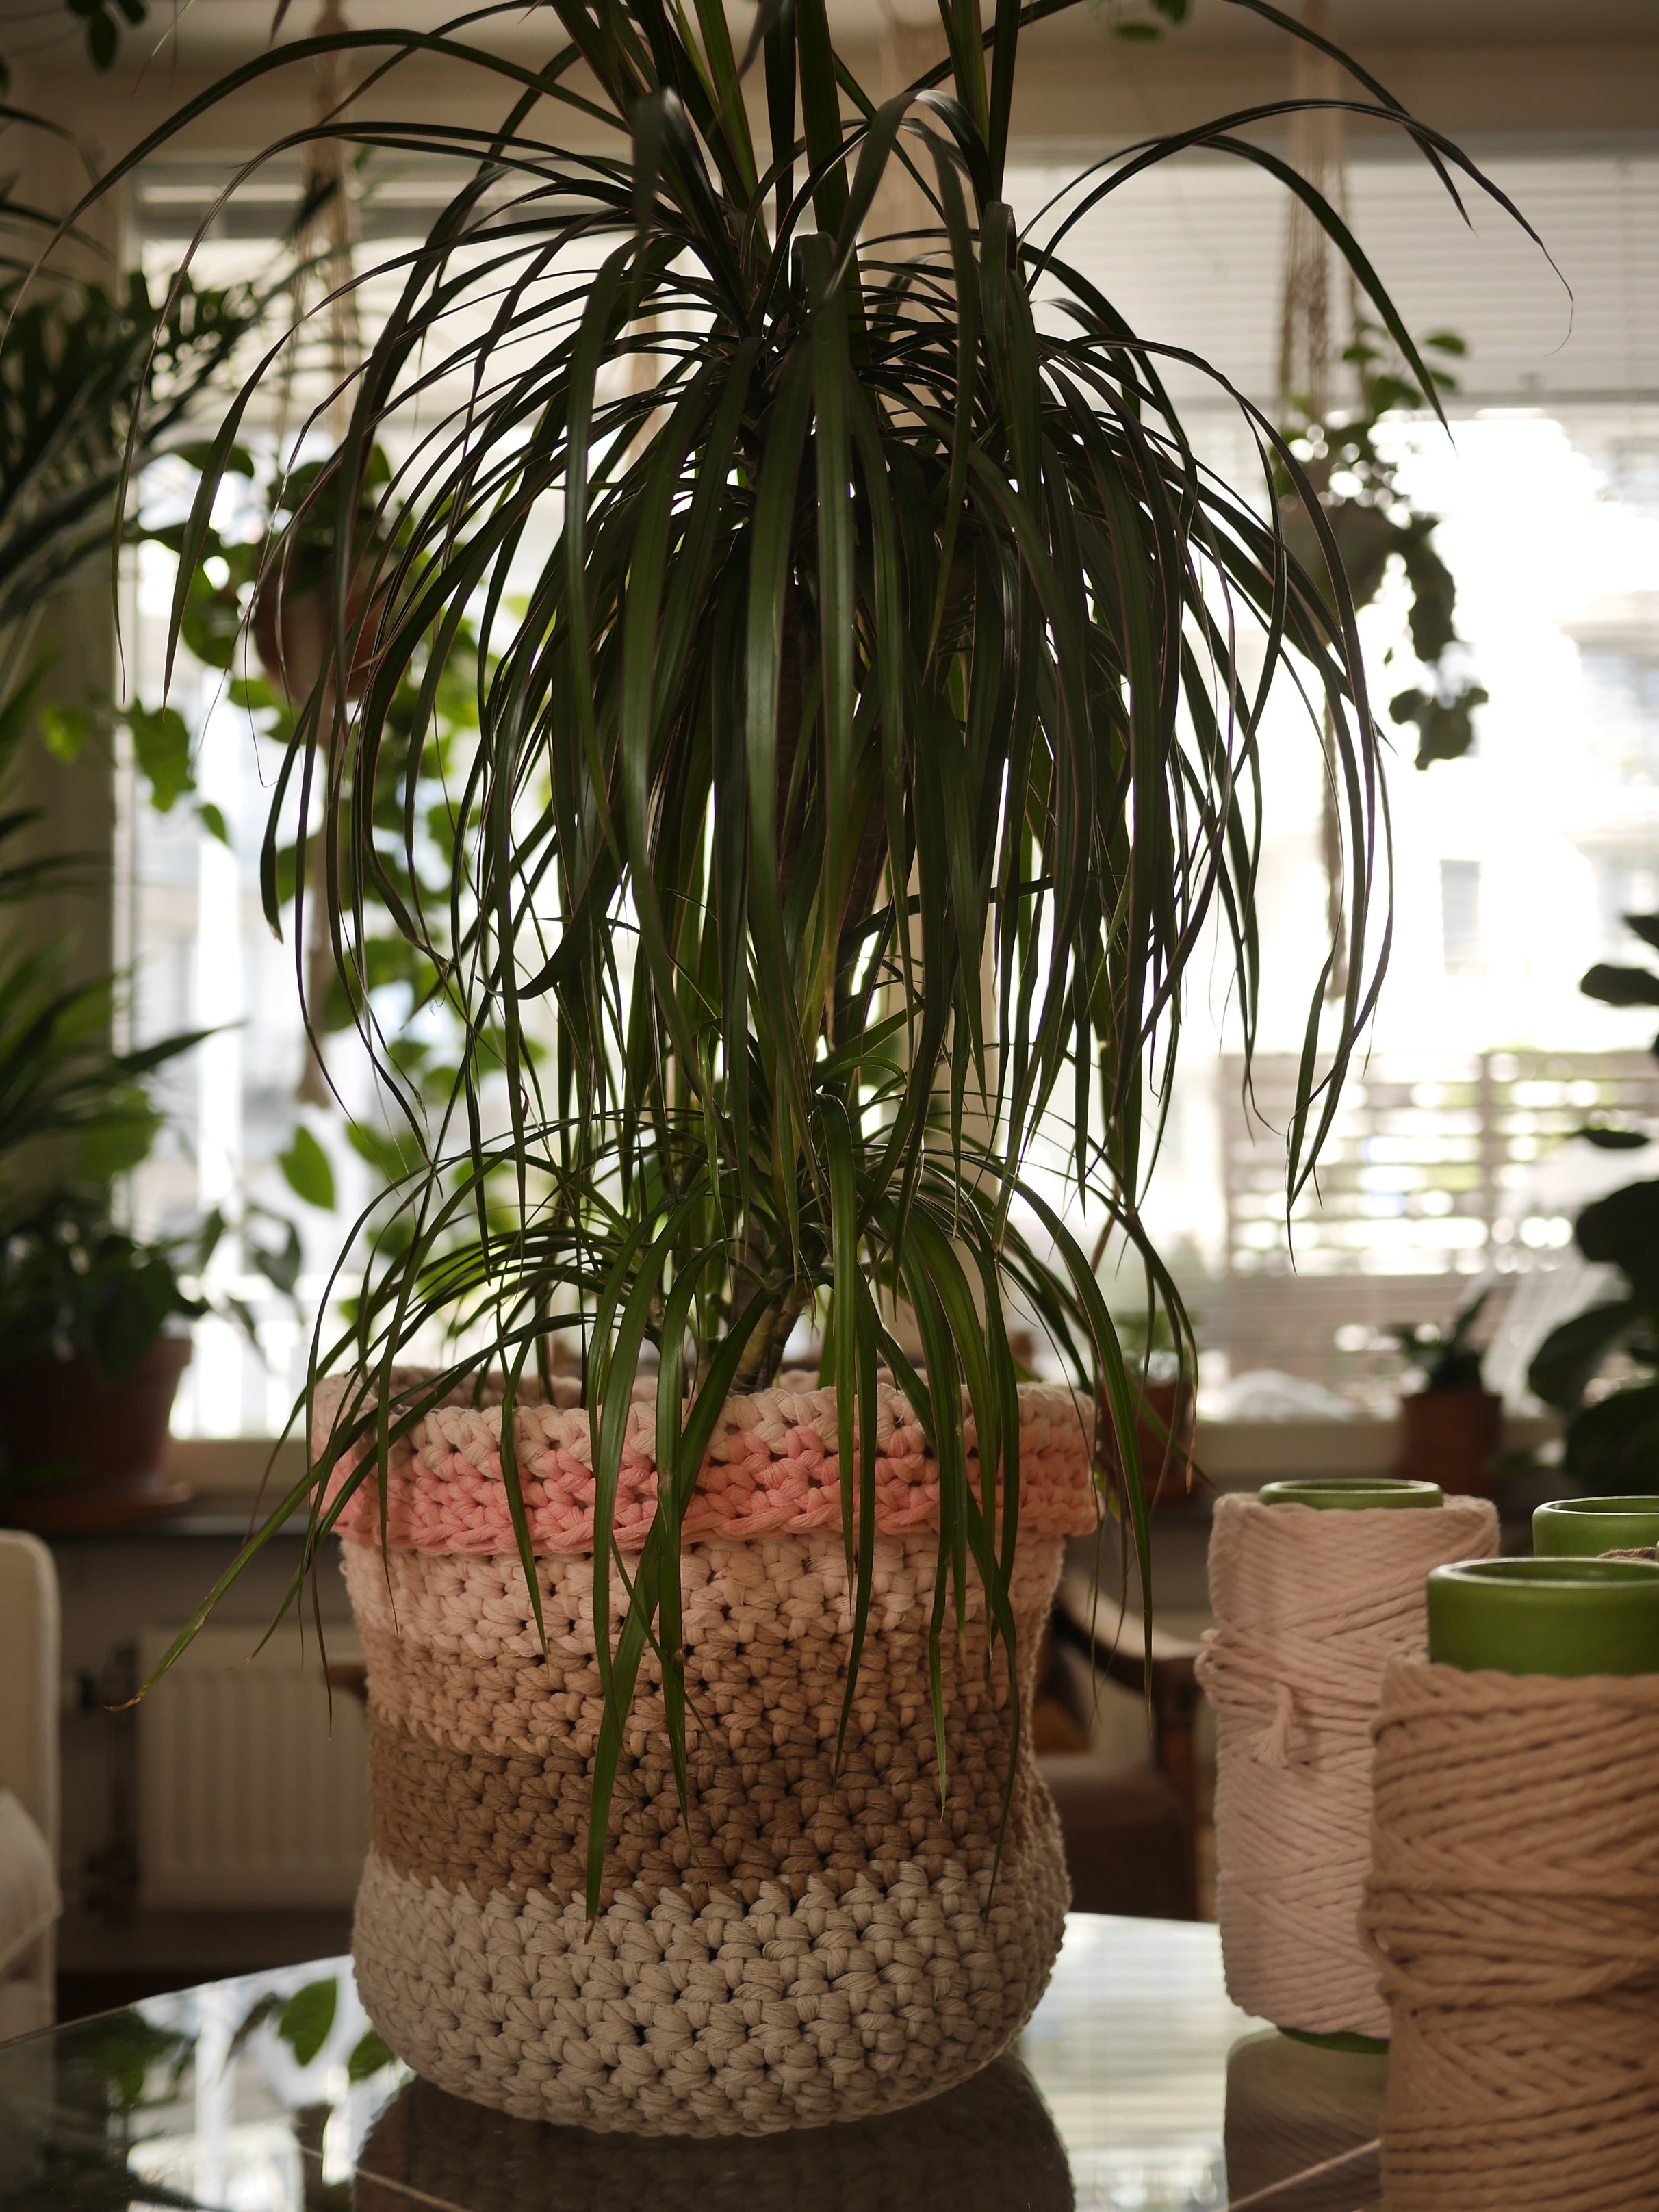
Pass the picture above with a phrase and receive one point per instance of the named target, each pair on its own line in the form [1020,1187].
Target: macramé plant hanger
[869,691]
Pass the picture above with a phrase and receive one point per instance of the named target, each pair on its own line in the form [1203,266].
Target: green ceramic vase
[1334,1493]
[1563,1616]
[1584,1528]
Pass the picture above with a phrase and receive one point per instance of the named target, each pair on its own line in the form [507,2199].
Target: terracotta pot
[108,1438]
[1164,1443]
[291,628]
[1451,1438]
[802,1944]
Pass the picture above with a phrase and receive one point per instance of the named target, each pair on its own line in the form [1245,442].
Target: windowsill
[233,1476]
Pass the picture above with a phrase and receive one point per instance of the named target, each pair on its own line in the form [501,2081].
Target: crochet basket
[800,1949]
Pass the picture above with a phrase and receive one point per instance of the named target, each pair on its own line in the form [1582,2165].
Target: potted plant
[1166,1403]
[93,1340]
[90,1370]
[88,1364]
[1611,1446]
[1450,1428]
[97,384]
[856,772]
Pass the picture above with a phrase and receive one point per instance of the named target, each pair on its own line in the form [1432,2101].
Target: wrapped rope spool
[1513,1903]
[1315,1587]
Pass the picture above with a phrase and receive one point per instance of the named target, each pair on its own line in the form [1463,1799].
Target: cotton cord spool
[1310,1609]
[1513,1913]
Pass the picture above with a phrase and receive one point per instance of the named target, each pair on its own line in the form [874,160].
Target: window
[1460,917]
[1505,862]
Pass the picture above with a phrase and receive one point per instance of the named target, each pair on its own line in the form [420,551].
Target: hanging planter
[817,1936]
[293,628]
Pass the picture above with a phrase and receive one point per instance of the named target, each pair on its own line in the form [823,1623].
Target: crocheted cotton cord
[773,1465]
[1310,1608]
[798,1947]
[1513,1911]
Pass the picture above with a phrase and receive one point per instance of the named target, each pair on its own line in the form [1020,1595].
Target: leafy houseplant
[1450,1428]
[88,1371]
[1358,486]
[95,384]
[1612,1440]
[856,772]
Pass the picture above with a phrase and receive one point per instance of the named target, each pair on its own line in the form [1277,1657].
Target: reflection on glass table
[1138,2087]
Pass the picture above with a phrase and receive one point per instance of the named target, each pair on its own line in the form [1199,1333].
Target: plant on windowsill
[1165,1402]
[88,1371]
[91,1346]
[856,774]
[1451,1426]
[96,384]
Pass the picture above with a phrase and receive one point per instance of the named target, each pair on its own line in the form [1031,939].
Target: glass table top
[1137,2087]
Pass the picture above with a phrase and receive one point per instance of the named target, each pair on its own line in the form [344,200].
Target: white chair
[30,1903]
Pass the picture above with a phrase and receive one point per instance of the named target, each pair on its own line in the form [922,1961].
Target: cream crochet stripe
[805,1945]
[733,2020]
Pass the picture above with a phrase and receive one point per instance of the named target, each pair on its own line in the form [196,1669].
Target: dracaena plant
[871,680]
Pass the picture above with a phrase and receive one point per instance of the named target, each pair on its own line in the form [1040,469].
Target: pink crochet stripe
[772,1468]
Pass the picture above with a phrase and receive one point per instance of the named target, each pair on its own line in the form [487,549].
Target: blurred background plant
[97,385]
[1445,1358]
[1613,1433]
[1356,480]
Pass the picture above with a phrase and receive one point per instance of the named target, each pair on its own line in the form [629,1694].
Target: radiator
[247,1796]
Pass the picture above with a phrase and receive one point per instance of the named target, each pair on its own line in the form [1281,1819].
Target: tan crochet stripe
[482,1760]
[714,2019]
[454,1651]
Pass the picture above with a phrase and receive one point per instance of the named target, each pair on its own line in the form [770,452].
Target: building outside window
[1460,917]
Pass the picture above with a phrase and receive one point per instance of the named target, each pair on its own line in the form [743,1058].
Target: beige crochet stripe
[718,2019]
[1513,1911]
[769,1590]
[1309,1607]
[482,1761]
